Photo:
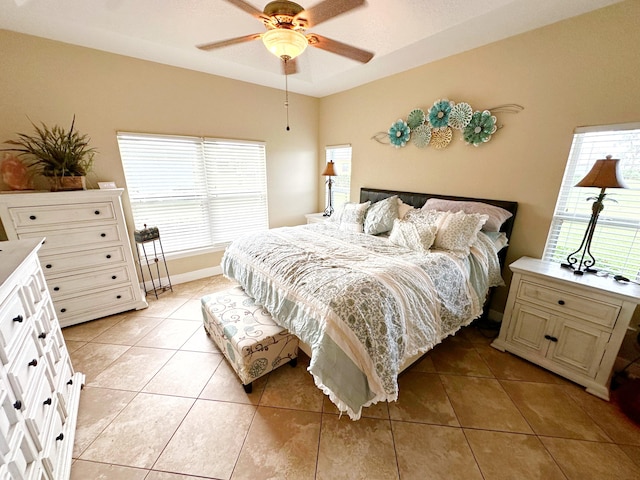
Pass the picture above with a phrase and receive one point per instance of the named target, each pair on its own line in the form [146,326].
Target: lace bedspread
[362,304]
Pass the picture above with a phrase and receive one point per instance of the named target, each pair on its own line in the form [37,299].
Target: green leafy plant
[54,152]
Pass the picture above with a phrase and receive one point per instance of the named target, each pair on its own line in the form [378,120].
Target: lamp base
[579,271]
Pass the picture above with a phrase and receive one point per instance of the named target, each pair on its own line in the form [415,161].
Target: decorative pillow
[403,209]
[458,231]
[499,239]
[497,216]
[380,216]
[416,236]
[351,217]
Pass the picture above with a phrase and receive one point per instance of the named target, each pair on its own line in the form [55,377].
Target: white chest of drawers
[39,392]
[86,257]
[570,324]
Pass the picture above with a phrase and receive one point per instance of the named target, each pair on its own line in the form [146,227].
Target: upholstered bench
[246,334]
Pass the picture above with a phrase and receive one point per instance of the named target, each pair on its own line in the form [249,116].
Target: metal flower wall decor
[435,127]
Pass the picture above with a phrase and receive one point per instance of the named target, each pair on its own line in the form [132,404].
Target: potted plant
[63,157]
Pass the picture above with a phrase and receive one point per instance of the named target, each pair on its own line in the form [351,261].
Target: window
[616,241]
[341,156]
[200,192]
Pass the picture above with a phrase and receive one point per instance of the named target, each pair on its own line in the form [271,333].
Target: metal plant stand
[149,237]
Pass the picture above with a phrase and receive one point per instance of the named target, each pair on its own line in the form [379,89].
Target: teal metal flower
[399,133]
[480,128]
[439,113]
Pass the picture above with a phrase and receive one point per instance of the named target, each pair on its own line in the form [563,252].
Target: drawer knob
[48,265]
[43,335]
[560,302]
[60,437]
[103,235]
[56,289]
[118,296]
[70,382]
[108,256]
[17,405]
[32,217]
[113,277]
[549,337]
[62,310]
[97,212]
[47,401]
[18,319]
[33,363]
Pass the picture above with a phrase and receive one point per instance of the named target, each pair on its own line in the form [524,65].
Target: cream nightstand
[570,324]
[316,218]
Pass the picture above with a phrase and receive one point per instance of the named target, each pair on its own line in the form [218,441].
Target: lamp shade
[603,174]
[329,171]
[283,42]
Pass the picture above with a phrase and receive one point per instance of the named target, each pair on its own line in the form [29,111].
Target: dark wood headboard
[418,199]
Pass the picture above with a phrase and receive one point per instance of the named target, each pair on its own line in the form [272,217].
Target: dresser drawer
[70,307]
[29,217]
[57,441]
[73,284]
[27,367]
[13,322]
[72,238]
[20,462]
[38,413]
[587,308]
[67,262]
[8,420]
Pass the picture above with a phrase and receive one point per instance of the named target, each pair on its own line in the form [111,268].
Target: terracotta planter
[68,183]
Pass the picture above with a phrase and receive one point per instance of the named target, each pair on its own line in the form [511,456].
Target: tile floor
[161,403]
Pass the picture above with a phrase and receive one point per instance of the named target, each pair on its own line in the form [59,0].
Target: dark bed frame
[417,200]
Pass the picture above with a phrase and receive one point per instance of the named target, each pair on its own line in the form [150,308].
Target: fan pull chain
[286,90]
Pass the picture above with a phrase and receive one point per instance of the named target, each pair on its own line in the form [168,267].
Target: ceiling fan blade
[323,11]
[290,67]
[230,41]
[250,9]
[340,48]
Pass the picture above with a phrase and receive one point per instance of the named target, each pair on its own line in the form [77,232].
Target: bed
[366,305]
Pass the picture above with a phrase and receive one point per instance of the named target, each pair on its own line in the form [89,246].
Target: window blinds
[341,188]
[616,241]
[199,192]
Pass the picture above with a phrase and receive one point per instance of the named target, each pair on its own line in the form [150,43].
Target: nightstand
[570,324]
[316,217]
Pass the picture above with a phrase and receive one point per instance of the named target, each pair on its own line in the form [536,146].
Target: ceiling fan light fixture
[284,42]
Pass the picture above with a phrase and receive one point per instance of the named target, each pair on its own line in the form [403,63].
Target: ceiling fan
[286,24]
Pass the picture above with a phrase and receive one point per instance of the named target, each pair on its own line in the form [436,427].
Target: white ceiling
[402,33]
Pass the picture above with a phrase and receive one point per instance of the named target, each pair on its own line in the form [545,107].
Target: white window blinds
[616,241]
[199,192]
[341,188]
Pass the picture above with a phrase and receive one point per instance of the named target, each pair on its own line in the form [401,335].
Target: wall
[582,71]
[49,82]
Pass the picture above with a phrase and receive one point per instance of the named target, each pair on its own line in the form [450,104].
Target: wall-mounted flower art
[436,127]
[399,133]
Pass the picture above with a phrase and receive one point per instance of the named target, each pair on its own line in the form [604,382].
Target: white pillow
[380,216]
[496,215]
[418,236]
[351,217]
[458,231]
[403,209]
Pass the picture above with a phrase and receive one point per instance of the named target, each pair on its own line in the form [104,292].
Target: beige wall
[583,71]
[49,82]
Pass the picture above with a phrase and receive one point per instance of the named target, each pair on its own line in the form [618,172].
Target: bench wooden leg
[248,388]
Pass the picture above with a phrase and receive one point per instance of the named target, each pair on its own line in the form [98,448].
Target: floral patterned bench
[247,335]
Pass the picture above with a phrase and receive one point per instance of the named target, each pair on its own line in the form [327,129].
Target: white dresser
[570,324]
[86,257]
[40,391]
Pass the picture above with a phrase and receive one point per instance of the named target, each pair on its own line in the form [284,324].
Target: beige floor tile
[219,282]
[286,380]
[83,470]
[607,415]
[92,358]
[225,386]
[425,365]
[87,331]
[73,345]
[128,331]
[632,452]
[193,288]
[433,452]
[507,366]
[281,444]
[165,305]
[200,342]
[98,407]
[422,398]
[169,476]
[580,460]
[208,441]
[185,374]
[133,369]
[457,356]
[551,412]
[527,457]
[362,449]
[191,310]
[377,410]
[169,334]
[483,403]
[476,335]
[138,435]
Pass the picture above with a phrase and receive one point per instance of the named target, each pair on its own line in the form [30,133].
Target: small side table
[316,218]
[150,237]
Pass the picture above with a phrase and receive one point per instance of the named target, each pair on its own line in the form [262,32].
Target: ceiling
[402,33]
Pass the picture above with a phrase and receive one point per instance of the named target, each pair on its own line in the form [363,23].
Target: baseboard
[185,277]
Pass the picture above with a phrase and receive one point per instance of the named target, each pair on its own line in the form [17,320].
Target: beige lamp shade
[603,174]
[283,42]
[329,171]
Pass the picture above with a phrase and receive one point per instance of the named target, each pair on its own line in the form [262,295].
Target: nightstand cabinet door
[528,329]
[579,346]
